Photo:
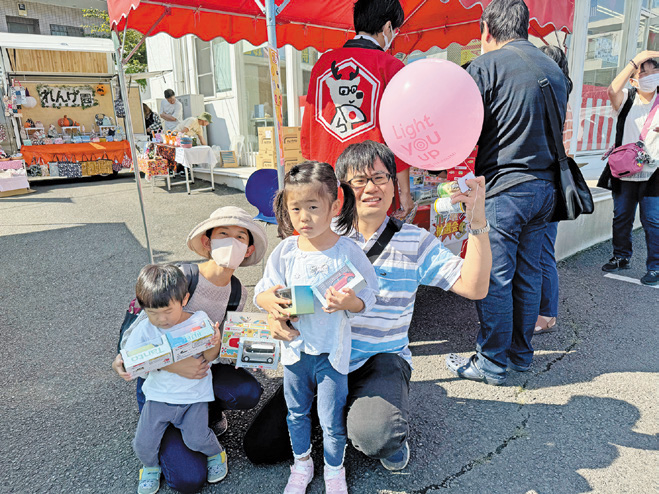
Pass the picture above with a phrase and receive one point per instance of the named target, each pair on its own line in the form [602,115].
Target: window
[22,25]
[59,30]
[213,66]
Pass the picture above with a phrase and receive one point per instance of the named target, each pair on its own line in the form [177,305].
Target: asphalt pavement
[585,419]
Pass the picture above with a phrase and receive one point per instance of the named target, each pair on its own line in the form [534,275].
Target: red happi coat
[343,100]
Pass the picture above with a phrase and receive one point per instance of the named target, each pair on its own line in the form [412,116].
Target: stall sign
[67,96]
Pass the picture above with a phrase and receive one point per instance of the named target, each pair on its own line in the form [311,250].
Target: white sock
[302,464]
[331,471]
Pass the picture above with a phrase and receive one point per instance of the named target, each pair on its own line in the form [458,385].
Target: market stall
[324,24]
[61,104]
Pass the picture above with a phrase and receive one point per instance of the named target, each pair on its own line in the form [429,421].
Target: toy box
[191,339]
[258,353]
[301,297]
[346,276]
[238,325]
[151,356]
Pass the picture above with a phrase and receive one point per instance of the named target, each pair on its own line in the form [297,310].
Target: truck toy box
[301,297]
[346,277]
[153,355]
[258,353]
[191,339]
[242,324]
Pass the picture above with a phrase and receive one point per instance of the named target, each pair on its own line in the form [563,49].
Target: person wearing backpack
[637,111]
[227,239]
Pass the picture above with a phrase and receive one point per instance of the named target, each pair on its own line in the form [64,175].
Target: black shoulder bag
[393,226]
[574,197]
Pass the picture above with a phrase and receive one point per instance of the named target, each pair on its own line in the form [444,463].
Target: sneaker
[616,263]
[149,480]
[301,475]
[467,368]
[217,467]
[517,367]
[335,481]
[221,426]
[398,460]
[651,278]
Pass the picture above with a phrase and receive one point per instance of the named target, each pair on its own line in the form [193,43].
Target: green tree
[138,62]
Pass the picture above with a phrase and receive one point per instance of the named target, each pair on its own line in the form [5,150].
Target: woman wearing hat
[228,239]
[193,126]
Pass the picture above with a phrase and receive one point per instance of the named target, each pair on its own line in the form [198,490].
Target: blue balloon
[260,191]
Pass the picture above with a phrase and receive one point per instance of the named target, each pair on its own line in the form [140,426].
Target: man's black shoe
[651,278]
[616,263]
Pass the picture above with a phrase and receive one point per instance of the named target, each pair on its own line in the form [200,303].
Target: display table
[76,152]
[197,155]
[13,177]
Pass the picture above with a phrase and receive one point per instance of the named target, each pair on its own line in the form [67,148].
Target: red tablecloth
[90,150]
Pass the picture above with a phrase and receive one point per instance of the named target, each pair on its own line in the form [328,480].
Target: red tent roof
[323,24]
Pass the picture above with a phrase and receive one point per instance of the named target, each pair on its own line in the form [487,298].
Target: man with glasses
[380,361]
[346,87]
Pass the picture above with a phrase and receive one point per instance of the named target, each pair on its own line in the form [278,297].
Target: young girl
[319,357]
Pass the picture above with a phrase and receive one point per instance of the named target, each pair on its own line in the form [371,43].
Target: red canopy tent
[323,24]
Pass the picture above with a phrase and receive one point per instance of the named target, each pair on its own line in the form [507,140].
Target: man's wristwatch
[479,231]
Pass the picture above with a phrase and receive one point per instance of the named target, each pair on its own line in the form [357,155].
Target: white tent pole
[131,138]
[271,23]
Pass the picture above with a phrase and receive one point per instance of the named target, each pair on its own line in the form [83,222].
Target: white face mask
[228,252]
[648,83]
[387,41]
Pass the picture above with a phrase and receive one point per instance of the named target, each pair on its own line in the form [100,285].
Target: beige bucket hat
[230,216]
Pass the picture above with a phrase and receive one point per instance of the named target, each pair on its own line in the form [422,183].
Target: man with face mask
[346,87]
[634,107]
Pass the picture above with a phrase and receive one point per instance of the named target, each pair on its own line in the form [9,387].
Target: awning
[323,24]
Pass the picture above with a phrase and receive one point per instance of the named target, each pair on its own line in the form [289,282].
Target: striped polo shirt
[412,257]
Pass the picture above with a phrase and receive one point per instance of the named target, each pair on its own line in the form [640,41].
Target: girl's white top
[320,332]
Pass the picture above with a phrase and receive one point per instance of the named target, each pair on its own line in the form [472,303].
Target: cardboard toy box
[191,339]
[291,137]
[346,276]
[242,324]
[258,353]
[153,355]
[301,297]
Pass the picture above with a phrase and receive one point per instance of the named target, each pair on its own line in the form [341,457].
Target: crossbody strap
[648,121]
[392,227]
[234,297]
[551,106]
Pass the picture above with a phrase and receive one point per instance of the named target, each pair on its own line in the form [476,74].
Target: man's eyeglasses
[360,182]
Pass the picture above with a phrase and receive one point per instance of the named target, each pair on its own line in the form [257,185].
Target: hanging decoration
[66,96]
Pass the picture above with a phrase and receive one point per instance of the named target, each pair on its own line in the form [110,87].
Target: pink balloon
[431,114]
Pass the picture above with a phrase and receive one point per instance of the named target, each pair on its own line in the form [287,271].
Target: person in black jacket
[632,107]
[517,157]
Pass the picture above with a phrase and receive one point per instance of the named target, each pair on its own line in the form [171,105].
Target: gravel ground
[583,420]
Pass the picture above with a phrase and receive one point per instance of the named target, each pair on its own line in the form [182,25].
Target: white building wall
[46,15]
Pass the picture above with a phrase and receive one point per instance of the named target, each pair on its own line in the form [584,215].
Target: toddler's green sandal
[149,480]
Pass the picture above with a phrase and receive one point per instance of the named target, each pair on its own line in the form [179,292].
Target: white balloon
[30,102]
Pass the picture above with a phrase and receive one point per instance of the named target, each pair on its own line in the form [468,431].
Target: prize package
[242,324]
[191,339]
[346,276]
[301,297]
[258,353]
[153,355]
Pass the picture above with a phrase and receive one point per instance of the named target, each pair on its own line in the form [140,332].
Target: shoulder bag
[574,197]
[628,160]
